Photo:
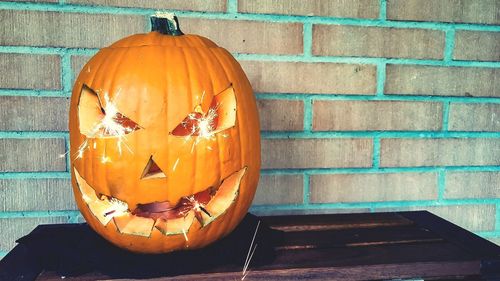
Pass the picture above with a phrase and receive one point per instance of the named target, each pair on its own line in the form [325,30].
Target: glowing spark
[210,148]
[105,159]
[185,235]
[81,149]
[95,145]
[175,164]
[250,253]
[225,135]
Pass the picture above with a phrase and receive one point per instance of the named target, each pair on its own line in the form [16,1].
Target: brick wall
[366,105]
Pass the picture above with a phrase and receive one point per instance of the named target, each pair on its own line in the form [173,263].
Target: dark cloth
[74,249]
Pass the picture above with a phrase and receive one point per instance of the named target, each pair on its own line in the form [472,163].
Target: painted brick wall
[366,105]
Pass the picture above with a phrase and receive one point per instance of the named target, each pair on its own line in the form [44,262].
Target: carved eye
[98,121]
[220,116]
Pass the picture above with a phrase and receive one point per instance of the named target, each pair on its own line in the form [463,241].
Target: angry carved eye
[97,120]
[220,116]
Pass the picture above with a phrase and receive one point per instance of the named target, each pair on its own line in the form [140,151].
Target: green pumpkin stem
[166,23]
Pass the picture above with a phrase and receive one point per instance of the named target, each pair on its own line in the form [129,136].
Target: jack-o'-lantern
[165,145]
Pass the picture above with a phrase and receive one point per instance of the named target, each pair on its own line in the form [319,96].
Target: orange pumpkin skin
[156,80]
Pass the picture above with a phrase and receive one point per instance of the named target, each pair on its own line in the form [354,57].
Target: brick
[442,81]
[66,29]
[439,152]
[279,189]
[316,153]
[320,78]
[32,155]
[469,11]
[326,8]
[474,117]
[36,195]
[12,229]
[471,217]
[33,113]
[248,36]
[190,5]
[22,71]
[341,188]
[474,45]
[77,64]
[281,115]
[376,115]
[343,40]
[472,185]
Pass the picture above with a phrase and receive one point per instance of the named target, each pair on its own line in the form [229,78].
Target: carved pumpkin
[165,145]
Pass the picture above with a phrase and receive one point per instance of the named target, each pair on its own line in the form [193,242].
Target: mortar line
[383,10]
[67,154]
[497,217]
[446,116]
[307,37]
[95,9]
[390,97]
[380,170]
[376,152]
[35,175]
[66,72]
[232,7]
[32,134]
[449,45]
[37,214]
[308,115]
[371,134]
[381,75]
[307,189]
[441,184]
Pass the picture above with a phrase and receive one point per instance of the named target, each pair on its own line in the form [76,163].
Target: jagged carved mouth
[169,219]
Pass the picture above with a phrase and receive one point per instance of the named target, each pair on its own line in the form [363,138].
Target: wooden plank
[337,221]
[488,252]
[456,271]
[358,237]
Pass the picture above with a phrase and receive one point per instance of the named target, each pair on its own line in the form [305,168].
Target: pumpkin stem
[165,23]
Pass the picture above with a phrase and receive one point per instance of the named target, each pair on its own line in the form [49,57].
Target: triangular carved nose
[152,170]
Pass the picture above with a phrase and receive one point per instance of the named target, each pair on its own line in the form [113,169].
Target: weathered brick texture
[376,115]
[316,153]
[279,189]
[25,71]
[467,11]
[356,41]
[477,46]
[339,188]
[36,195]
[474,117]
[32,155]
[442,81]
[320,78]
[472,185]
[26,114]
[281,115]
[190,5]
[439,152]
[325,8]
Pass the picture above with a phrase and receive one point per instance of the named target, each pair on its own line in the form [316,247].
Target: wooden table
[370,246]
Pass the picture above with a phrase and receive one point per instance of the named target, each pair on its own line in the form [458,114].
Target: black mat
[75,249]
